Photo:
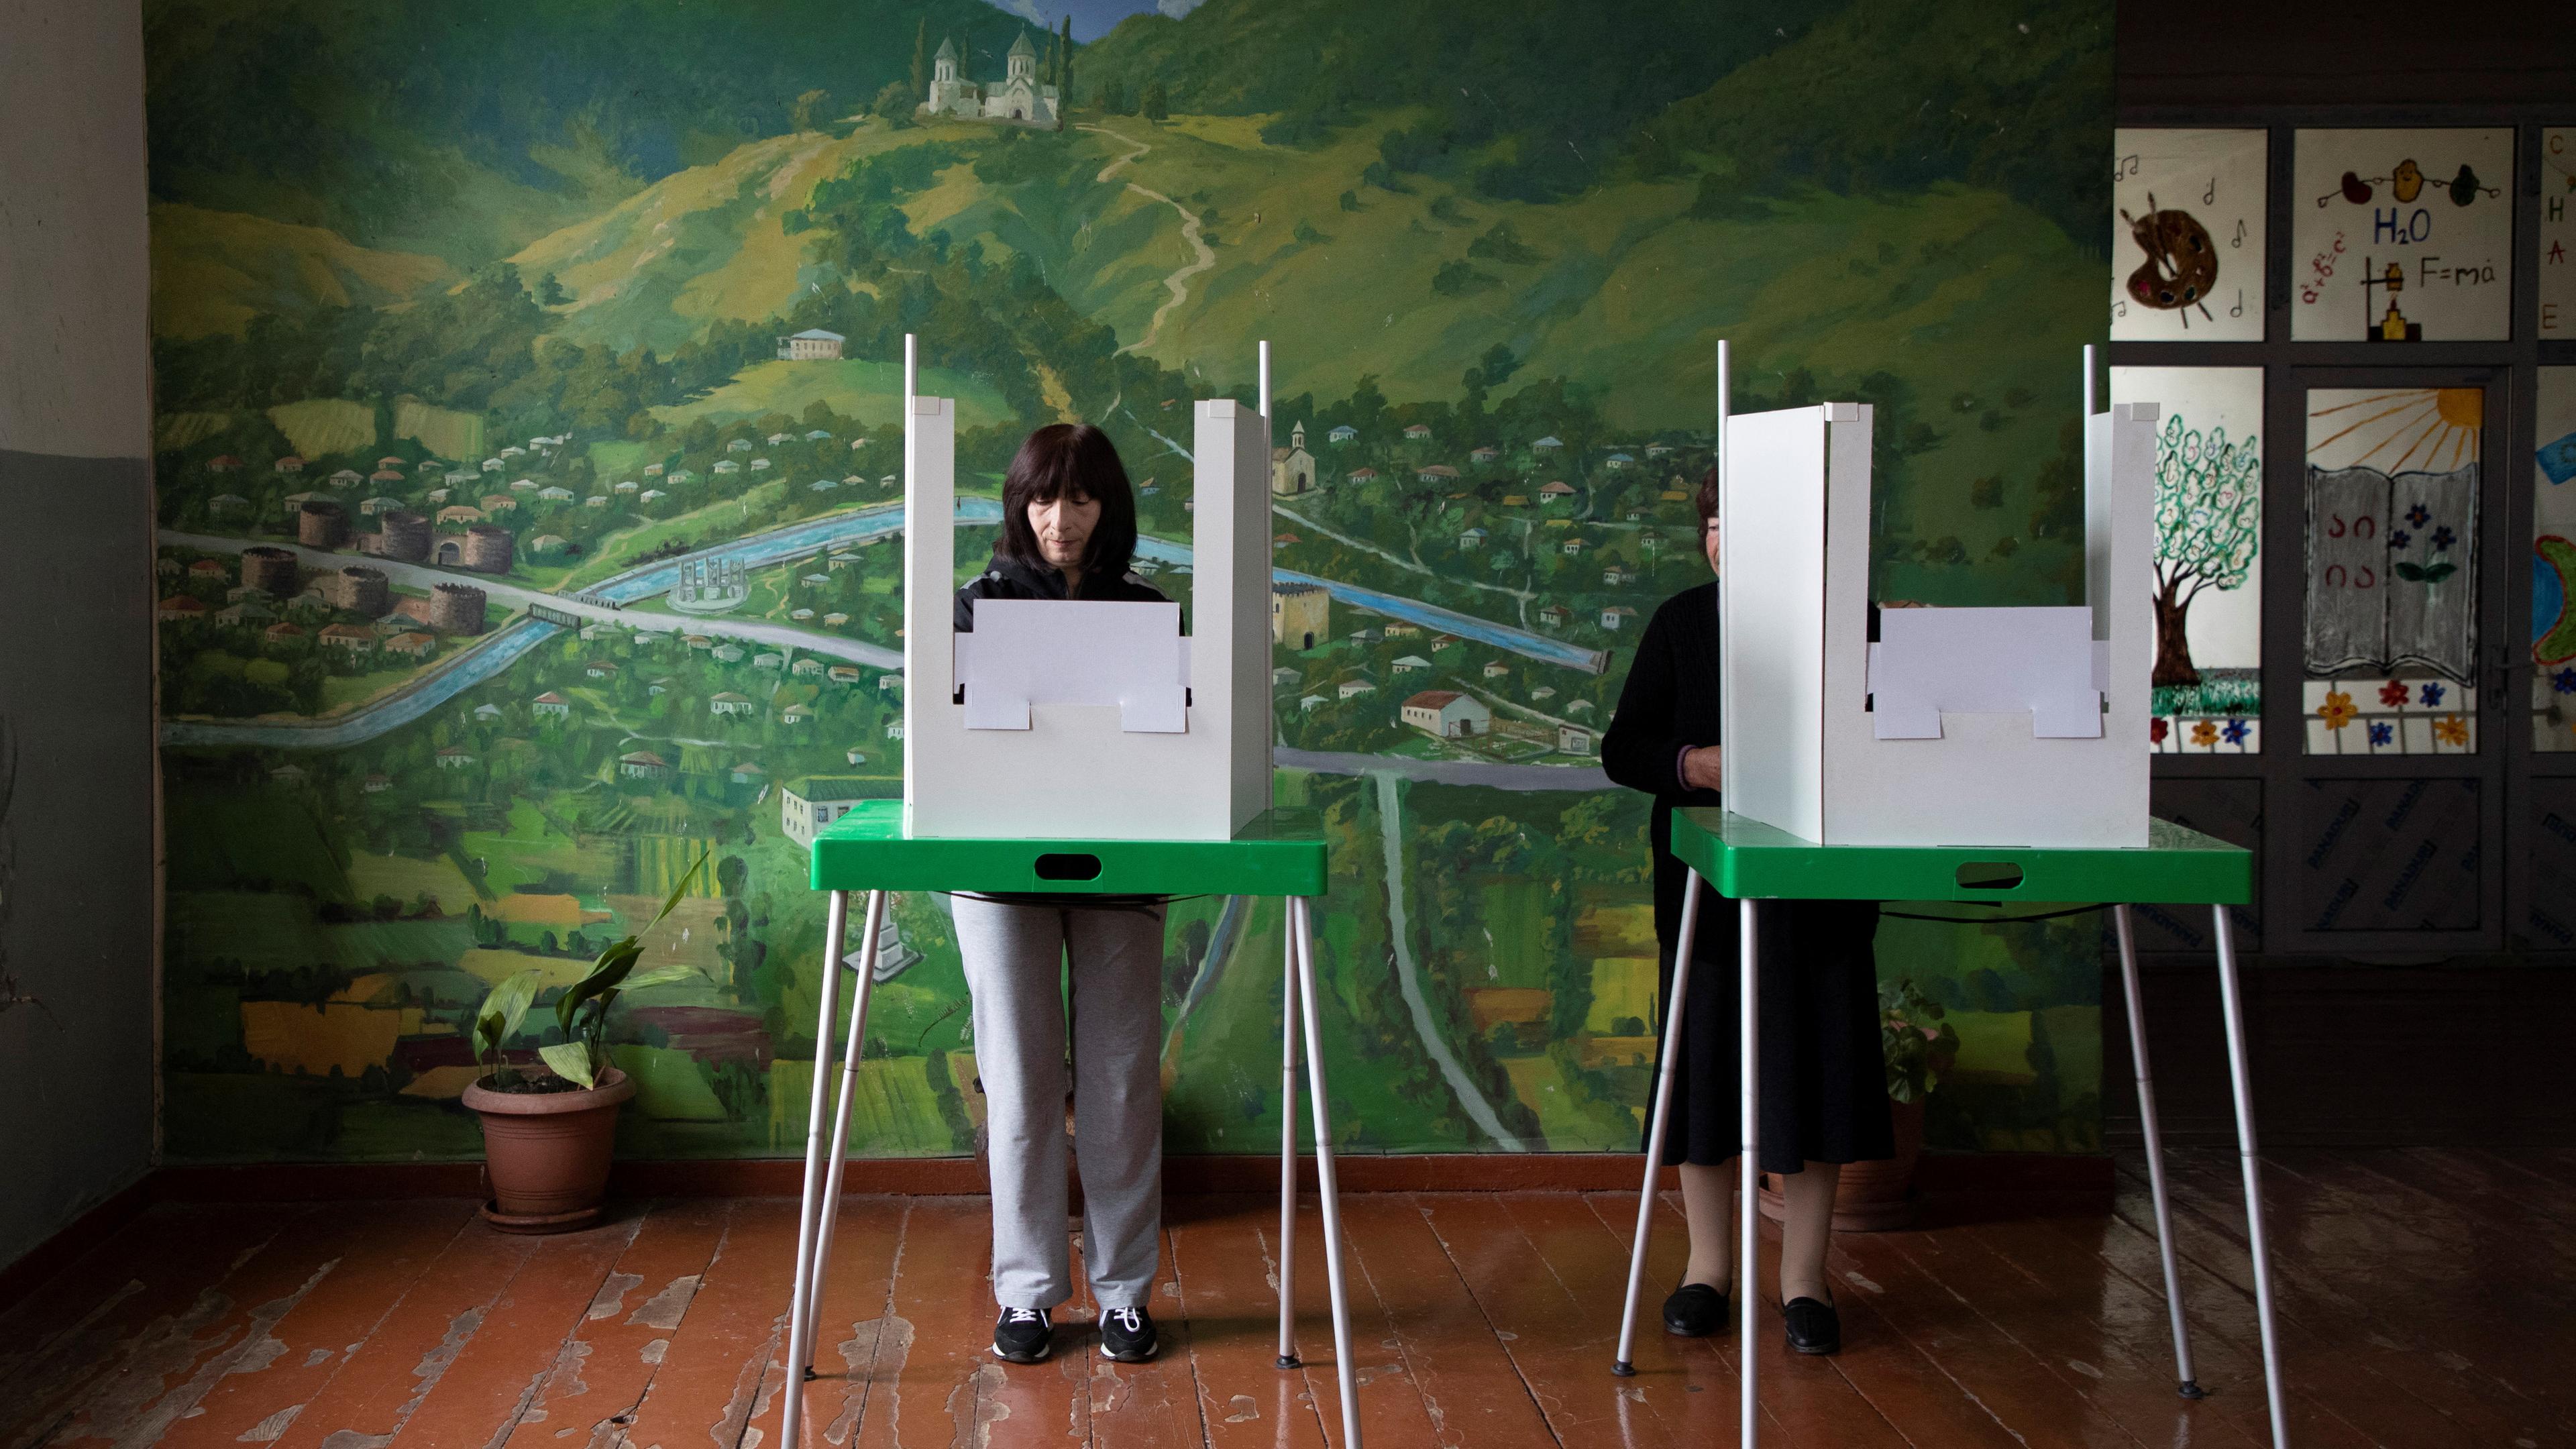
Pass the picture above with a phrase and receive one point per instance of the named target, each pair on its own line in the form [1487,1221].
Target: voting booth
[1091,719]
[1987,726]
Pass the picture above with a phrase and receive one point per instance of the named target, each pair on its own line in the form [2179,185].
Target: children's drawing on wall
[2552,269]
[2402,236]
[2209,571]
[2553,564]
[2187,243]
[531,527]
[2392,521]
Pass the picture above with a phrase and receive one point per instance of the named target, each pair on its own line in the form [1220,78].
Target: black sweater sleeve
[1644,741]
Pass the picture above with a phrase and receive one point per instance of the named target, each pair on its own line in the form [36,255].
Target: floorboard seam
[1464,1286]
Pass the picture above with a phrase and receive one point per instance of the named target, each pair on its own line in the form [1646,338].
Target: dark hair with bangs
[1063,458]
[1705,499]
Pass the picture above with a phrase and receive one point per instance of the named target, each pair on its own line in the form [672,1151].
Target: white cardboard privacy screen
[1932,662]
[1027,652]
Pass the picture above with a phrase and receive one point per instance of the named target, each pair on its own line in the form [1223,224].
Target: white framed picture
[2402,236]
[2553,259]
[2208,680]
[2187,228]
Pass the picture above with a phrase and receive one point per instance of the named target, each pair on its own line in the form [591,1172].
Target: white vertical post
[1265,378]
[2090,353]
[911,376]
[2255,1239]
[829,1215]
[1288,1021]
[2189,1385]
[1725,613]
[1343,1368]
[1625,1366]
[835,928]
[1749,1212]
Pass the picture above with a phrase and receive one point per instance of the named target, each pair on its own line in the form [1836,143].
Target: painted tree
[1158,102]
[920,57]
[2209,522]
[1064,72]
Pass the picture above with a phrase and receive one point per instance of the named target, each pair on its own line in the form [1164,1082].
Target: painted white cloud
[1177,8]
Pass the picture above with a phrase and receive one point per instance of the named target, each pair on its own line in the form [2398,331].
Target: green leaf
[2411,573]
[497,1020]
[608,970]
[662,976]
[2435,573]
[571,1061]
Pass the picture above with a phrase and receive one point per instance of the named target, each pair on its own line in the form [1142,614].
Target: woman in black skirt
[1824,1082]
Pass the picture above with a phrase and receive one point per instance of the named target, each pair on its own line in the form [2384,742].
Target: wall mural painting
[528,481]
[2209,570]
[2187,254]
[2553,564]
[2402,236]
[2392,523]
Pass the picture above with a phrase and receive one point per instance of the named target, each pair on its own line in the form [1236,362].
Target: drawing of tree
[2209,521]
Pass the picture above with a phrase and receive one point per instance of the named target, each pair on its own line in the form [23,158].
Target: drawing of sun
[2395,430]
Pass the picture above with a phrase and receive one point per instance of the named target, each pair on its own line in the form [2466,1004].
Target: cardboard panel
[1076,770]
[1772,613]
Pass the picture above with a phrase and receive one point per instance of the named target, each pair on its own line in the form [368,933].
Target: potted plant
[1919,1046]
[547,1136]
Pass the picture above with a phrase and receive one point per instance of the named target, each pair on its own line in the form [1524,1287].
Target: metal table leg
[1288,1021]
[1748,1213]
[1302,932]
[828,1214]
[2189,1384]
[1625,1366]
[2243,1087]
[835,928]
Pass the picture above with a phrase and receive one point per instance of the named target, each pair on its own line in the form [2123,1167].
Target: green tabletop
[1281,853]
[1745,858]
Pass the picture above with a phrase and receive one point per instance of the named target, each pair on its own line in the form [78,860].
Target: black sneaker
[1022,1335]
[1127,1335]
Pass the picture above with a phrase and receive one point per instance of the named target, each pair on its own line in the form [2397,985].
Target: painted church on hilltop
[1016,97]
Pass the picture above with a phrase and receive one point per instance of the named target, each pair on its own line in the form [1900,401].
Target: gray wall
[78,1066]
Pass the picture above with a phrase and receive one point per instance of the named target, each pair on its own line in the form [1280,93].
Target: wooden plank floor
[2424,1299]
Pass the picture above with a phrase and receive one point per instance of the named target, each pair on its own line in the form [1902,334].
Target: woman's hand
[1700,768]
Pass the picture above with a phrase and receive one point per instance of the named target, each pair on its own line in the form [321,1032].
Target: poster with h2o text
[2187,235]
[2402,236]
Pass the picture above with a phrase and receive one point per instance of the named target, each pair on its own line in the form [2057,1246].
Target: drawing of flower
[2337,711]
[2156,731]
[2204,734]
[2451,730]
[2235,732]
[2432,695]
[2564,681]
[2381,733]
[2443,537]
[2419,515]
[2393,693]
[2399,538]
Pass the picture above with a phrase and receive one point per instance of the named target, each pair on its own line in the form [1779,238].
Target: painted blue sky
[1092,19]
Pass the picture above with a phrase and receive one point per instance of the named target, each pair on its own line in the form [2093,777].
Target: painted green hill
[511,118]
[212,271]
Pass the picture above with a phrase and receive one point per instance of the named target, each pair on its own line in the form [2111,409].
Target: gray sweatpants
[1014,957]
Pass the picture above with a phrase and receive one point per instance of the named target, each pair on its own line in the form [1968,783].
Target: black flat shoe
[1023,1335]
[1695,1311]
[1813,1327]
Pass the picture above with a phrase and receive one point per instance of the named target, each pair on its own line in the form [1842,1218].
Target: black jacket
[1008,578]
[1670,703]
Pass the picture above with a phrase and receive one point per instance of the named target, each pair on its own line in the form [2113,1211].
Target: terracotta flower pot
[1873,1197]
[547,1153]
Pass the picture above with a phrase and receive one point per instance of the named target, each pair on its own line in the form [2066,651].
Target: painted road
[1408,977]
[603,602]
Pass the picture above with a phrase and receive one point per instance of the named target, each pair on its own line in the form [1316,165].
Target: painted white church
[1017,97]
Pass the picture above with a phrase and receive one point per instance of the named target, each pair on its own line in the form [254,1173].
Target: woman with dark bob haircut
[1068,530]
